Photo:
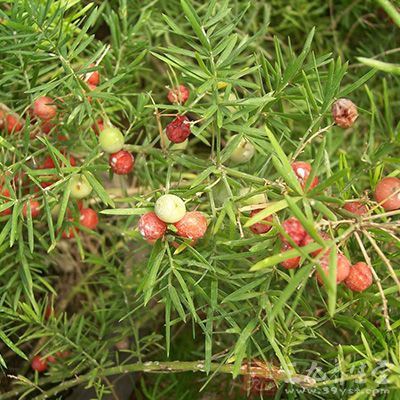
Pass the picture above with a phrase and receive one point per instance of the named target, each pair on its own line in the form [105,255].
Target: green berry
[80,187]
[170,208]
[243,153]
[252,200]
[111,140]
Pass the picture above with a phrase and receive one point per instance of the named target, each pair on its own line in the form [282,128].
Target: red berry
[360,277]
[344,113]
[356,207]
[35,209]
[44,108]
[13,123]
[93,78]
[308,239]
[260,227]
[151,227]
[178,95]
[98,126]
[70,232]
[342,268]
[302,171]
[59,354]
[48,312]
[387,192]
[192,226]
[48,163]
[290,263]
[39,364]
[179,129]
[46,126]
[88,218]
[5,193]
[121,162]
[294,230]
[2,119]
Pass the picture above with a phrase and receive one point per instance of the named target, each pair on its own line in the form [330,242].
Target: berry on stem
[39,364]
[151,227]
[290,263]
[387,192]
[243,153]
[80,187]
[14,124]
[178,95]
[111,140]
[178,130]
[192,226]
[93,78]
[35,209]
[121,162]
[342,268]
[260,227]
[294,229]
[355,207]
[88,218]
[44,108]
[344,113]
[170,208]
[302,170]
[359,278]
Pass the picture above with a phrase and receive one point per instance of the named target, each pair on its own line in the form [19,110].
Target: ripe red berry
[39,364]
[290,263]
[342,268]
[179,129]
[302,171]
[2,119]
[46,126]
[5,193]
[192,226]
[88,218]
[70,232]
[48,163]
[308,239]
[294,230]
[93,78]
[35,209]
[260,227]
[44,108]
[13,123]
[151,227]
[178,95]
[356,207]
[360,277]
[121,162]
[387,192]
[98,126]
[344,113]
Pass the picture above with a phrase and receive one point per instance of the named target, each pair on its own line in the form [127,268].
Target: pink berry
[302,171]
[179,129]
[360,277]
[387,192]
[260,227]
[294,229]
[178,95]
[151,227]
[356,207]
[342,268]
[14,124]
[44,108]
[290,263]
[192,226]
[88,218]
[121,162]
[35,209]
[344,113]
[39,364]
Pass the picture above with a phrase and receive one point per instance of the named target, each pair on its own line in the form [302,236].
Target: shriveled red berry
[14,124]
[178,95]
[151,227]
[387,192]
[360,277]
[39,364]
[98,126]
[88,218]
[44,108]
[356,207]
[290,263]
[179,129]
[93,78]
[342,268]
[121,162]
[193,225]
[260,227]
[344,113]
[302,171]
[5,193]
[294,229]
[35,209]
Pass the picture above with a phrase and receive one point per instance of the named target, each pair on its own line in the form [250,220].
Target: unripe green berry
[80,187]
[111,140]
[243,153]
[253,200]
[170,208]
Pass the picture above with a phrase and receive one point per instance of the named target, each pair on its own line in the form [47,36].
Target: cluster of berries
[178,130]
[170,209]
